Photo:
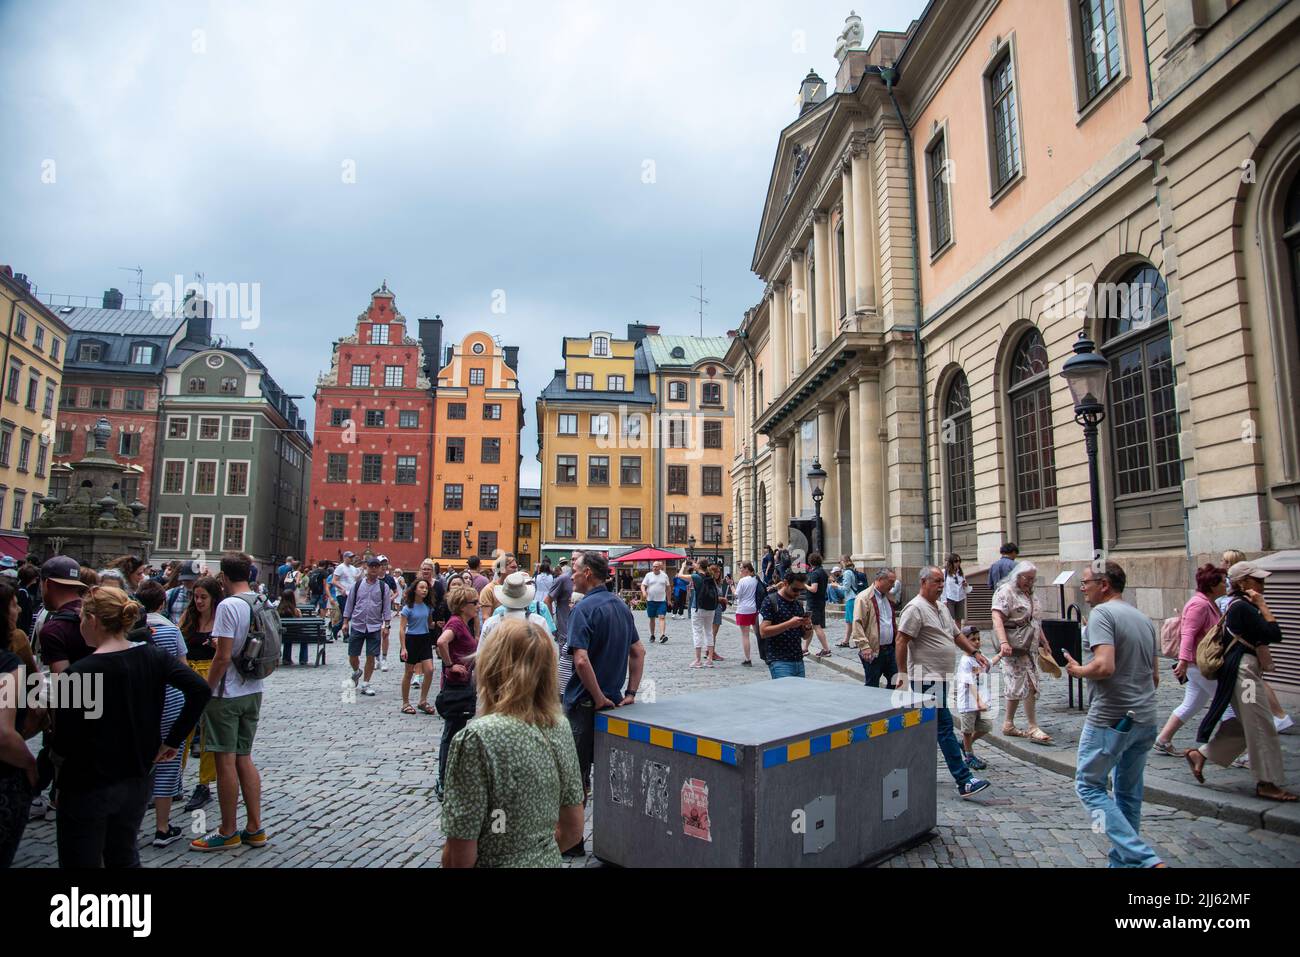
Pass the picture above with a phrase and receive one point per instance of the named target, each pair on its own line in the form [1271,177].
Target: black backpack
[706,593]
[316,583]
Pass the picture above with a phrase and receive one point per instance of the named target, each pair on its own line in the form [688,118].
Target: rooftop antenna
[139,280]
[700,298]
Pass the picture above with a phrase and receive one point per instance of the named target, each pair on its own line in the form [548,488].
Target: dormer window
[141,354]
[600,346]
[90,352]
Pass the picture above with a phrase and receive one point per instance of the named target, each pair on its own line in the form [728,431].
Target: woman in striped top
[167,774]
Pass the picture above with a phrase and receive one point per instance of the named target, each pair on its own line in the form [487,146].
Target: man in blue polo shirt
[606,651]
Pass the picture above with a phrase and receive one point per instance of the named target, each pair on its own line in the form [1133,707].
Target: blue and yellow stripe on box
[795,750]
[673,740]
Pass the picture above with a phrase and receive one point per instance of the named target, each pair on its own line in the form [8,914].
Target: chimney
[198,317]
[451,354]
[113,298]
[512,357]
[637,331]
[431,342]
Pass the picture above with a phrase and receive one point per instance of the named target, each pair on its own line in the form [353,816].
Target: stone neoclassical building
[1124,168]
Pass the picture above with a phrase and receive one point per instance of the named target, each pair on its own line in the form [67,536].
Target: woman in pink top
[1199,616]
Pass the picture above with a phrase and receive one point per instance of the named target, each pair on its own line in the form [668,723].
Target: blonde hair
[112,608]
[517,674]
[1232,556]
[460,596]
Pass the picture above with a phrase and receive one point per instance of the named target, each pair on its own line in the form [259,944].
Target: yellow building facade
[34,344]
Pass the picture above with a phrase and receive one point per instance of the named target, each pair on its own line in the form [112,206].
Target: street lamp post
[817,482]
[690,548]
[1086,372]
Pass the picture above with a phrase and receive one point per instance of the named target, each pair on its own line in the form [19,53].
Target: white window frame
[177,418]
[604,417]
[578,379]
[212,530]
[375,338]
[559,423]
[216,481]
[198,435]
[600,346]
[180,528]
[352,377]
[148,352]
[248,484]
[609,383]
[243,530]
[401,377]
[185,477]
[241,418]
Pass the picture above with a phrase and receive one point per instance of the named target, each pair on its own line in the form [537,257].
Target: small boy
[970,703]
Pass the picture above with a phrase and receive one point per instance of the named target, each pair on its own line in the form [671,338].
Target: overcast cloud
[497,146]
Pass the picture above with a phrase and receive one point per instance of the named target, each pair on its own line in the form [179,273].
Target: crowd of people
[173,656]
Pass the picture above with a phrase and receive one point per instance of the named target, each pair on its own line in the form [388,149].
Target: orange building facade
[478,413]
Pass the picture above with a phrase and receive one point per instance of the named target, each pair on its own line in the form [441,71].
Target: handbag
[1021,635]
[456,702]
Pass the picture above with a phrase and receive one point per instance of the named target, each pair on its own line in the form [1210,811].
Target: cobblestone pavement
[350,783]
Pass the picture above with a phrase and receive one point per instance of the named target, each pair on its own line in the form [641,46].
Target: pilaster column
[831,500]
[864,269]
[780,490]
[873,512]
[855,466]
[779,334]
[798,313]
[850,241]
[824,306]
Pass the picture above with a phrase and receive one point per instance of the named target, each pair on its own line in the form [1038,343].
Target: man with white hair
[873,630]
[654,589]
[925,640]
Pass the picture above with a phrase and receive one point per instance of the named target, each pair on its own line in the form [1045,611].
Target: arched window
[1148,468]
[1033,448]
[1291,236]
[959,465]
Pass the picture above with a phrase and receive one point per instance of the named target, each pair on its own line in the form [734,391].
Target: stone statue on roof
[851,38]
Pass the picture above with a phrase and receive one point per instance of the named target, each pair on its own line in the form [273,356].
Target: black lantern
[690,547]
[1086,373]
[817,483]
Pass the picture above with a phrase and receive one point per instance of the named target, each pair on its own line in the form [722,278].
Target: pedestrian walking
[1199,615]
[926,635]
[851,584]
[608,659]
[107,753]
[1249,628]
[681,588]
[768,566]
[1120,726]
[725,595]
[368,611]
[455,649]
[519,730]
[705,588]
[654,591]
[196,628]
[782,626]
[1004,565]
[1281,720]
[972,702]
[955,588]
[873,630]
[817,591]
[166,774]
[415,643]
[517,599]
[747,596]
[1018,623]
[230,722]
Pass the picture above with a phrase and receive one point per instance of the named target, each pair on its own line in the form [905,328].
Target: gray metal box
[787,773]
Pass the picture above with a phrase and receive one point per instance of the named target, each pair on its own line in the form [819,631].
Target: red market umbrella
[646,555]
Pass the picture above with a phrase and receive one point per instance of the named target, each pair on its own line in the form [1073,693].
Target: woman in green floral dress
[513,791]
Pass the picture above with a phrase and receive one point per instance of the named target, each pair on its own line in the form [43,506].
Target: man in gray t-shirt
[1123,670]
[559,600]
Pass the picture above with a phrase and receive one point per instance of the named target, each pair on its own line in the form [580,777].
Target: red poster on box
[695,809]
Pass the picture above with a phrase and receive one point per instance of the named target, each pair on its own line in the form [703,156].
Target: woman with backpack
[1200,614]
[1248,628]
[705,588]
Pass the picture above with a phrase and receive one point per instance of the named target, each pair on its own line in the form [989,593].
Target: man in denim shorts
[366,616]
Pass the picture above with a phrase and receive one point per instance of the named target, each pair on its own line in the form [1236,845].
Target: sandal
[1196,768]
[408,709]
[824,654]
[1039,736]
[1011,731]
[426,707]
[1284,796]
[841,644]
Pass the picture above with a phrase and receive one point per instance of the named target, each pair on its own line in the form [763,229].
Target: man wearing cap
[179,597]
[345,576]
[386,576]
[62,591]
[516,597]
[365,617]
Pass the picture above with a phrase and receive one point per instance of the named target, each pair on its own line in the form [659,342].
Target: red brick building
[370,486]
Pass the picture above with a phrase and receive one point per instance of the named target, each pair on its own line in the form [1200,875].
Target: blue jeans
[883,664]
[1104,750]
[785,669]
[288,651]
[953,754]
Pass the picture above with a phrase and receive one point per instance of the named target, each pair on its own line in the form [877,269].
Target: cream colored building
[1124,168]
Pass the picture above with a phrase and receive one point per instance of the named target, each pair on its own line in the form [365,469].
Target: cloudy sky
[460,151]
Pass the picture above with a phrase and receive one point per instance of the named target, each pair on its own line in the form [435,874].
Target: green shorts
[231,723]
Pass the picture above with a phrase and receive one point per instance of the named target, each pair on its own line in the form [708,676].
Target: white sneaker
[415,681]
[383,664]
[365,689]
[1283,723]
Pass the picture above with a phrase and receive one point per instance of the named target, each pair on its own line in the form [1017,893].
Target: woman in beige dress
[1017,621]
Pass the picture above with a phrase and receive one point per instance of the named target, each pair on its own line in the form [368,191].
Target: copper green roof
[693,349]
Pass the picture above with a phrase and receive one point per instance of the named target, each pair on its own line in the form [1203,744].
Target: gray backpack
[261,652]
